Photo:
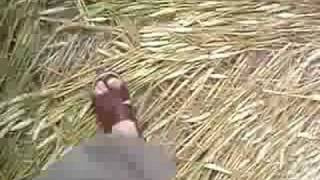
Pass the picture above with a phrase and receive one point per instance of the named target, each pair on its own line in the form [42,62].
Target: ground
[231,86]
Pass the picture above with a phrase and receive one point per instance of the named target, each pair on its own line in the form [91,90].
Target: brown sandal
[113,105]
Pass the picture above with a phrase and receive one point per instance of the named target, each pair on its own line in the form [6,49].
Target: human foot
[112,105]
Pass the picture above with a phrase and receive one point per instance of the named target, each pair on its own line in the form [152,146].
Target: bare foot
[112,105]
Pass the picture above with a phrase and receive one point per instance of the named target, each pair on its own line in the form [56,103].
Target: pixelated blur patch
[116,158]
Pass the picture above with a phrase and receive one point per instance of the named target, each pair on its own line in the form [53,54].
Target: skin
[113,110]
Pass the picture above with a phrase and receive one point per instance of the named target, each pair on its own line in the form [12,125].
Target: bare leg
[126,128]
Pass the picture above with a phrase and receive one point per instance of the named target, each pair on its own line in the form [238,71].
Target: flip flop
[113,107]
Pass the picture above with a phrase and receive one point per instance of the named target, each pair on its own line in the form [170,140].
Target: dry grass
[234,86]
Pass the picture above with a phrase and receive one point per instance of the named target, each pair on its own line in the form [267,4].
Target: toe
[114,83]
[118,88]
[100,88]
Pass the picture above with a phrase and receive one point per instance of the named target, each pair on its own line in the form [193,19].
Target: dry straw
[232,86]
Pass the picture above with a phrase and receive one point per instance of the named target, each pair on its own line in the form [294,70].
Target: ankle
[126,128]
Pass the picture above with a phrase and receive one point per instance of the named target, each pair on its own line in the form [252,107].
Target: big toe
[115,83]
[101,88]
[118,87]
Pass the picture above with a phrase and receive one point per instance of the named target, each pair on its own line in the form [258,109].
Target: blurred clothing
[111,157]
